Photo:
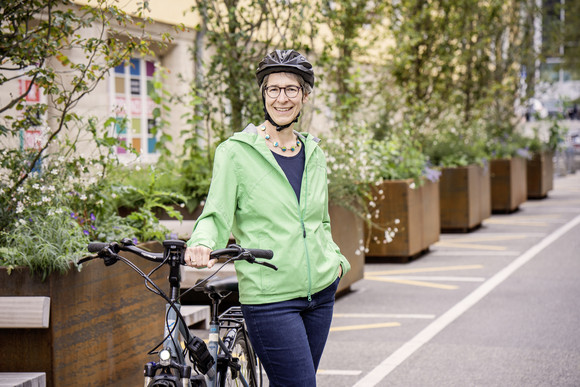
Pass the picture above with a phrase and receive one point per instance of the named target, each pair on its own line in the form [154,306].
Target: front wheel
[249,369]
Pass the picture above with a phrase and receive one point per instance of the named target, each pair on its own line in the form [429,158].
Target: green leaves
[52,201]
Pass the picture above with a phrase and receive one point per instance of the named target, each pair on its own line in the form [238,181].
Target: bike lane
[387,331]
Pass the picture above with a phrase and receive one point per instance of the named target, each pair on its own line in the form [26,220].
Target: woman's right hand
[198,256]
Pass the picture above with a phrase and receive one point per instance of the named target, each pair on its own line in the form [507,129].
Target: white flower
[83,197]
[412,185]
[35,186]
[397,221]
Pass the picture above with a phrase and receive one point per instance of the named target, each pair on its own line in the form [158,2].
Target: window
[132,86]
[34,136]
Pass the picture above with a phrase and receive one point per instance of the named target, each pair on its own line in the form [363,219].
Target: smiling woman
[269,189]
[283,100]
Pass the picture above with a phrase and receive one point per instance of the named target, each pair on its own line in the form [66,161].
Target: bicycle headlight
[165,357]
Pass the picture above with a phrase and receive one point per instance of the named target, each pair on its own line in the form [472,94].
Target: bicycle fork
[169,356]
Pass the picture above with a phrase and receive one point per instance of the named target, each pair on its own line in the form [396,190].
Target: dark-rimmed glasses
[290,91]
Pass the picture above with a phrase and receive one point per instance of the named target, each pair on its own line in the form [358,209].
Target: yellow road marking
[383,276]
[471,246]
[486,238]
[424,270]
[521,222]
[365,326]
[414,283]
[465,242]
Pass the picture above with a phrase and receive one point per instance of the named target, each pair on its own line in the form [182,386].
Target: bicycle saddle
[223,285]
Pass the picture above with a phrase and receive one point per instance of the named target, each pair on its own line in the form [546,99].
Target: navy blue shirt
[293,167]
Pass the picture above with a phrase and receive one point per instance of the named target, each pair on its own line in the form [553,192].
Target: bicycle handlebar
[109,252]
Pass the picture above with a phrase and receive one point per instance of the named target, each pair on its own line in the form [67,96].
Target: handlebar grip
[95,247]
[259,253]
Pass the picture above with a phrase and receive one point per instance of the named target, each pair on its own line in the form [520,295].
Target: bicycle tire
[241,350]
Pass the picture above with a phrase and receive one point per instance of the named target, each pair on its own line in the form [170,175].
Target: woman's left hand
[339,271]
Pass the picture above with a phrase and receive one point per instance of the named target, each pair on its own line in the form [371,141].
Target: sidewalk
[494,307]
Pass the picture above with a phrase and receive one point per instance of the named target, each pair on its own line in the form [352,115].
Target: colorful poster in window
[32,139]
[34,93]
[132,100]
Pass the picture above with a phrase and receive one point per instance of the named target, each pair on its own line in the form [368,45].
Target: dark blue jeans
[289,336]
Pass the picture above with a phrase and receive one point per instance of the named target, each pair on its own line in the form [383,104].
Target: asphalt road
[499,306]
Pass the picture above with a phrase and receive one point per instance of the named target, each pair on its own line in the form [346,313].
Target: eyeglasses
[290,91]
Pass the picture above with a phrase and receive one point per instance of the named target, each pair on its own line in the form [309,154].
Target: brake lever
[86,259]
[267,264]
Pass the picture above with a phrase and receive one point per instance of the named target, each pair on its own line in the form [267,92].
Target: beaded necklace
[276,143]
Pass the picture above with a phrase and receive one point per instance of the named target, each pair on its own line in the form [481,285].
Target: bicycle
[228,358]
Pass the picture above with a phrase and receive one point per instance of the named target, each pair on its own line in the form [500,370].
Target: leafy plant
[52,200]
[508,145]
[452,145]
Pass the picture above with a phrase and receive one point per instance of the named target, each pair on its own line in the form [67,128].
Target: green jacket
[251,197]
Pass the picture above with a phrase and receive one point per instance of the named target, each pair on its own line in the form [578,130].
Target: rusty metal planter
[103,321]
[540,175]
[418,212]
[465,197]
[348,232]
[508,184]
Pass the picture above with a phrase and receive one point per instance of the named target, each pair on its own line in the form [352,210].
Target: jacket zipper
[304,231]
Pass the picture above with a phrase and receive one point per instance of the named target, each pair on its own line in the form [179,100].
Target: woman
[269,188]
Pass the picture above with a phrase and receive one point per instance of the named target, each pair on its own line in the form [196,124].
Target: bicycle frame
[215,343]
[212,366]
[172,328]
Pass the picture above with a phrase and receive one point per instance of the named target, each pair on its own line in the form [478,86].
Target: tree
[351,34]
[458,58]
[237,35]
[53,53]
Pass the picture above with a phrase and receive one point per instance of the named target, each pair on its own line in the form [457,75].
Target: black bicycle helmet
[285,61]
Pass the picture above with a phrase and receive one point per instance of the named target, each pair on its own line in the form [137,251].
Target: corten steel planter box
[465,197]
[103,321]
[540,175]
[348,232]
[419,215]
[509,187]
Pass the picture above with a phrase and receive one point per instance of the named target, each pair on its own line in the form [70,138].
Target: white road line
[435,278]
[473,253]
[375,376]
[384,315]
[339,372]
[492,234]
